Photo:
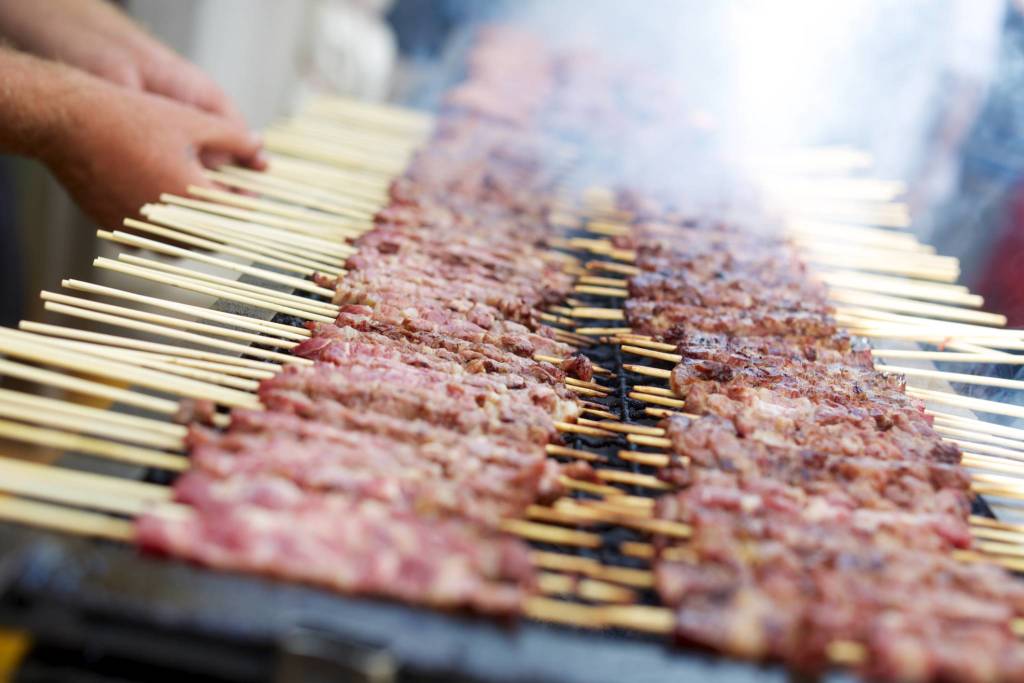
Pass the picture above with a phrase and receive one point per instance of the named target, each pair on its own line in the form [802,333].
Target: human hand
[116,149]
[96,37]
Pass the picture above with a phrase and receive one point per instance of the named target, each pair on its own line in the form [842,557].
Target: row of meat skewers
[395,444]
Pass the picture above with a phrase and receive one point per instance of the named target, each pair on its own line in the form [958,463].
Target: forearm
[36,103]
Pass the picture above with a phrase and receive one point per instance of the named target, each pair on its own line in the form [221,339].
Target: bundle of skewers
[418,411]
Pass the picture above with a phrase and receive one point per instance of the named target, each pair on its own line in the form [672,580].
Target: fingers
[221,139]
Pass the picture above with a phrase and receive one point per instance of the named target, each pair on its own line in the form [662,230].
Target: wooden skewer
[995,464]
[80,424]
[862,303]
[648,353]
[236,295]
[642,480]
[332,197]
[585,391]
[172,333]
[955,377]
[166,320]
[394,119]
[294,237]
[975,404]
[601,331]
[588,385]
[851,282]
[33,348]
[60,518]
[597,412]
[55,379]
[657,400]
[599,313]
[896,321]
[300,227]
[589,487]
[549,534]
[949,356]
[978,437]
[327,223]
[51,405]
[323,255]
[391,150]
[586,589]
[571,428]
[316,149]
[649,459]
[604,281]
[300,249]
[326,176]
[653,441]
[139,345]
[612,267]
[240,321]
[88,445]
[299,198]
[637,578]
[293,301]
[938,337]
[660,413]
[660,373]
[976,425]
[140,359]
[276,254]
[643,342]
[169,250]
[598,290]
[555,450]
[620,427]
[363,137]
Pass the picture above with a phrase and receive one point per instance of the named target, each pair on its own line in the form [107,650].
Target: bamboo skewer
[304,249]
[175,353]
[282,194]
[287,142]
[169,250]
[163,331]
[974,404]
[327,176]
[977,437]
[55,379]
[275,254]
[281,330]
[202,287]
[286,298]
[949,356]
[963,378]
[300,227]
[34,348]
[168,321]
[60,518]
[313,220]
[330,197]
[23,412]
[142,360]
[88,445]
[52,405]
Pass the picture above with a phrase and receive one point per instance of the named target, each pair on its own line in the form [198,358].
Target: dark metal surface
[108,600]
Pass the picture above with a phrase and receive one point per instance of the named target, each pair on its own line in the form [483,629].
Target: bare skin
[96,37]
[116,116]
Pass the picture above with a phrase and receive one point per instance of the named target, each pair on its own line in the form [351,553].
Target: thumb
[221,137]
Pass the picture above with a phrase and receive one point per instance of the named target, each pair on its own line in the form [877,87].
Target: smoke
[731,80]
